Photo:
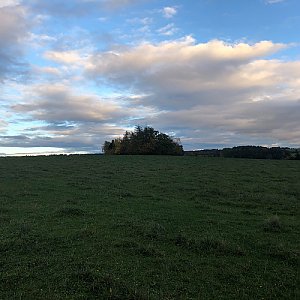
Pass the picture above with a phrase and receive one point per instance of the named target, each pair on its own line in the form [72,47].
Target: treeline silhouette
[144,141]
[257,152]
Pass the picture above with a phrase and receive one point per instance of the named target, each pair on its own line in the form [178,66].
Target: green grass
[134,227]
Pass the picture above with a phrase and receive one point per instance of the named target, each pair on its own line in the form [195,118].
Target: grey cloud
[220,88]
[81,137]
[116,4]
[14,28]
[279,121]
[72,120]
[58,103]
[43,141]
[182,74]
[3,125]
[251,123]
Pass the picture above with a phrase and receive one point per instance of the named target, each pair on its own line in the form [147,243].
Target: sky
[214,73]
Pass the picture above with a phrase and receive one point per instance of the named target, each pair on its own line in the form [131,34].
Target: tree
[144,141]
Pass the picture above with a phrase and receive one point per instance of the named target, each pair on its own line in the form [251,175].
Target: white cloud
[213,86]
[41,39]
[143,21]
[169,12]
[168,30]
[5,3]
[65,57]
[274,1]
[196,66]
[102,19]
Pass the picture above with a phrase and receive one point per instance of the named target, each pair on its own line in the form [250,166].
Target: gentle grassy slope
[132,227]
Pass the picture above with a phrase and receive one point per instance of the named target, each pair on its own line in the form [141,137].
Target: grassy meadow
[148,227]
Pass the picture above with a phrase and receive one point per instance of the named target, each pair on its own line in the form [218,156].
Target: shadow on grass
[281,252]
[70,212]
[208,246]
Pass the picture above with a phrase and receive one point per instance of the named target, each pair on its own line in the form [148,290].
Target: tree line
[257,152]
[143,141]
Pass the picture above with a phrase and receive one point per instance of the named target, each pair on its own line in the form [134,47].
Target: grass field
[134,227]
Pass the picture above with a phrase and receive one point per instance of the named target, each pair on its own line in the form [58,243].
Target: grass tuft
[273,224]
[283,253]
[102,286]
[155,231]
[208,246]
[133,247]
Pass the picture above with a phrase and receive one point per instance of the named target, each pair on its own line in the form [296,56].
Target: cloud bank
[84,85]
[210,85]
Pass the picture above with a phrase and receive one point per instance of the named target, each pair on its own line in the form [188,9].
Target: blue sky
[215,73]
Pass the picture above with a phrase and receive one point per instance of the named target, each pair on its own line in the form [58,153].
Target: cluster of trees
[144,141]
[250,152]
